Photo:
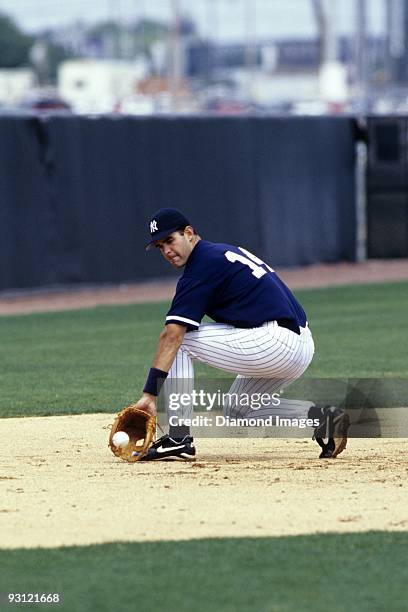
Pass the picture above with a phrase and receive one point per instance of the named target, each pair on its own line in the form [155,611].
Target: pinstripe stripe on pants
[266,359]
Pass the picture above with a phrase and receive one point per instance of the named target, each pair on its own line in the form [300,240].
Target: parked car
[45,103]
[135,104]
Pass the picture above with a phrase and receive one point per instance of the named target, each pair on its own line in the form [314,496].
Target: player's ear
[189,232]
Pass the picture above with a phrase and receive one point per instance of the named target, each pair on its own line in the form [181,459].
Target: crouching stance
[260,333]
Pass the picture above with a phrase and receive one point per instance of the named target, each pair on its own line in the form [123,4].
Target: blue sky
[224,20]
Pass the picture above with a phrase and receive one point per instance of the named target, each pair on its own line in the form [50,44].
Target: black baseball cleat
[334,425]
[171,449]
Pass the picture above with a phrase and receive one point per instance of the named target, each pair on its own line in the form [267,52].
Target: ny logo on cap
[153,226]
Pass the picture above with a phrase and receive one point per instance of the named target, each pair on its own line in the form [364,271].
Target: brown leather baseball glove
[140,426]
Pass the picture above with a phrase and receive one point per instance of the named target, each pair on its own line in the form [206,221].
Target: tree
[14,45]
[117,41]
[147,32]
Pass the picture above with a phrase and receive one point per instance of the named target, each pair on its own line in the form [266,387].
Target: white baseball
[120,439]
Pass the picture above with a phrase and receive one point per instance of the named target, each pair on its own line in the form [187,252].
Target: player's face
[177,247]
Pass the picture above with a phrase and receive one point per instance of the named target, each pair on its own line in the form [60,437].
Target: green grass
[360,330]
[350,572]
[76,361]
[96,360]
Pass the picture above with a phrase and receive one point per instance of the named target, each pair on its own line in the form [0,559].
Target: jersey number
[249,260]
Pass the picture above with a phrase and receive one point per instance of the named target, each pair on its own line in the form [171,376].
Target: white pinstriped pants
[266,359]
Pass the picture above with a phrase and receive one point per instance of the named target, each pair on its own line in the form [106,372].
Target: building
[15,84]
[95,86]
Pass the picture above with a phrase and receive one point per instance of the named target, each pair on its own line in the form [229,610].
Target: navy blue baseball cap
[164,222]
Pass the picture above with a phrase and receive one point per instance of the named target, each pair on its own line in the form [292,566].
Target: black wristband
[155,381]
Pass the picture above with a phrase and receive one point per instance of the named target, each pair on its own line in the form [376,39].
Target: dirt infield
[67,488]
[321,275]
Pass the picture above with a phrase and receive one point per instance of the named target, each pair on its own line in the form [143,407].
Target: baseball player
[260,333]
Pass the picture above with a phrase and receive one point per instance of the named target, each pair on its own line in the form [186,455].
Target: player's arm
[169,343]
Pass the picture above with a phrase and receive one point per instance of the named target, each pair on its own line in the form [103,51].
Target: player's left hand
[148,403]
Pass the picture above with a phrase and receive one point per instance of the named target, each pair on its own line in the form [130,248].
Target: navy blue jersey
[232,286]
